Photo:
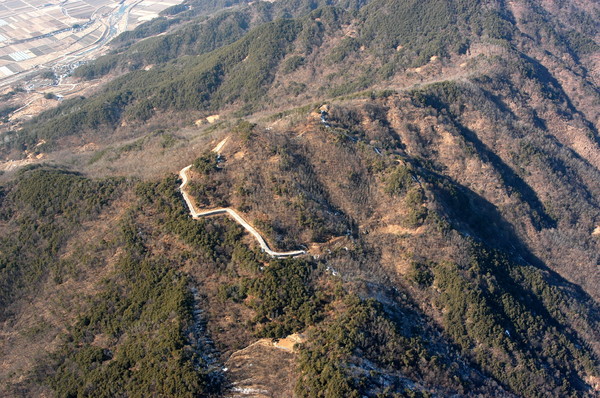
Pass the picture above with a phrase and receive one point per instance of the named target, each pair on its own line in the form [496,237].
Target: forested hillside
[438,162]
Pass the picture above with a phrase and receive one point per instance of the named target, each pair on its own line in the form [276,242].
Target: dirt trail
[183,174]
[220,146]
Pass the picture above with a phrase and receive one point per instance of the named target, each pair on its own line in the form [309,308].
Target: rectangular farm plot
[5,71]
[15,5]
[55,12]
[37,52]
[21,55]
[44,33]
[80,10]
[90,39]
[148,10]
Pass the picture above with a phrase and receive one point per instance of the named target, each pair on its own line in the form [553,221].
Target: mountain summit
[386,198]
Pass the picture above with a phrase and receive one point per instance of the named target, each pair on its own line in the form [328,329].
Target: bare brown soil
[262,370]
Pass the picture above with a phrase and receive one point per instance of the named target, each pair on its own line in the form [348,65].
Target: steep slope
[403,217]
[438,161]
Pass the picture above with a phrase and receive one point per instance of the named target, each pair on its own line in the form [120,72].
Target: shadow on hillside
[474,216]
[540,218]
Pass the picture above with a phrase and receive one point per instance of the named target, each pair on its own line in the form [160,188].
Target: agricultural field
[47,33]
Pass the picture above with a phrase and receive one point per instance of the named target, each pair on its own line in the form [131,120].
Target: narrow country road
[233,214]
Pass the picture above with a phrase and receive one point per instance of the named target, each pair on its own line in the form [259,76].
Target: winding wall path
[233,214]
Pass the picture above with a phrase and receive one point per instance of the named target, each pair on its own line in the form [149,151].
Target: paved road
[233,214]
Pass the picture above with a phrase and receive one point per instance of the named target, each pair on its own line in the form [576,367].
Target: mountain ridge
[439,161]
